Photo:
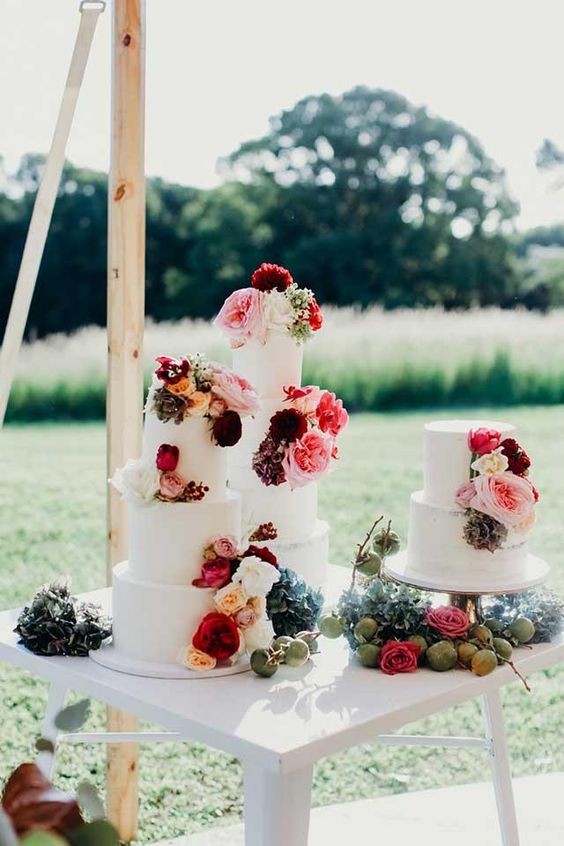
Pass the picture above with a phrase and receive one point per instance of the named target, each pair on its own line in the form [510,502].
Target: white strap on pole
[90,11]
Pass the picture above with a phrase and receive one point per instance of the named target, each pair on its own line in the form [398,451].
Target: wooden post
[126,295]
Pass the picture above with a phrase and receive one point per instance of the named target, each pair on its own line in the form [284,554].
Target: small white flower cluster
[492,463]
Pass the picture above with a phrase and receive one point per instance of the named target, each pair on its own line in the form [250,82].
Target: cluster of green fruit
[369,561]
[292,651]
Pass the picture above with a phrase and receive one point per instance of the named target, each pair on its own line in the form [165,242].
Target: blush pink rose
[241,316]
[482,440]
[507,498]
[465,494]
[331,416]
[448,621]
[246,617]
[237,394]
[225,546]
[305,399]
[171,485]
[308,459]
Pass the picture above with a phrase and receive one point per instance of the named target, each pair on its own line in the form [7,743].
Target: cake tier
[167,539]
[308,557]
[200,460]
[153,622]
[294,513]
[270,366]
[436,549]
[447,457]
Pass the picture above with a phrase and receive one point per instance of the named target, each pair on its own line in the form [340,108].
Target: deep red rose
[288,425]
[315,318]
[519,461]
[482,440]
[262,552]
[227,429]
[31,802]
[217,636]
[268,277]
[399,657]
[167,457]
[448,621]
[172,370]
[215,574]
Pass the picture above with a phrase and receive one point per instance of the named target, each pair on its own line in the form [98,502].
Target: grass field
[52,504]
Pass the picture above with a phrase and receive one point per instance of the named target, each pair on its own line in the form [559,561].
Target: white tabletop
[288,721]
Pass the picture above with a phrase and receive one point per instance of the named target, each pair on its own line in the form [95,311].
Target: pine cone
[483,532]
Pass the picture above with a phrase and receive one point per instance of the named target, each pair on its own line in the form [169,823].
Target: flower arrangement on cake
[142,483]
[498,497]
[274,302]
[300,444]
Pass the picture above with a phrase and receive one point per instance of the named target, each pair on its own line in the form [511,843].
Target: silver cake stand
[467,593]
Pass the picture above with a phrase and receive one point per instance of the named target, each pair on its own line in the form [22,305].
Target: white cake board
[110,657]
[534,573]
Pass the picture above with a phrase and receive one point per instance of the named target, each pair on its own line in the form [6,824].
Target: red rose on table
[172,370]
[31,802]
[218,636]
[268,277]
[448,621]
[482,440]
[399,657]
[215,573]
[519,461]
[167,457]
[288,425]
[262,552]
[314,318]
[227,429]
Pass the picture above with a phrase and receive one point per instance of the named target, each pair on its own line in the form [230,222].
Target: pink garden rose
[448,621]
[171,485]
[241,316]
[215,573]
[225,546]
[465,494]
[217,407]
[308,459]
[331,416]
[246,617]
[482,440]
[304,399]
[238,394]
[507,498]
[399,657]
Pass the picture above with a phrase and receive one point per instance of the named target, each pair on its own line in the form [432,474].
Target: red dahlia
[217,636]
[263,553]
[172,370]
[268,277]
[288,425]
[227,429]
[519,461]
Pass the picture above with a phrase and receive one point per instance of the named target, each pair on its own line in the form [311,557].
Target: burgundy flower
[448,621]
[262,552]
[167,457]
[519,461]
[288,425]
[172,370]
[268,277]
[314,318]
[218,636]
[227,429]
[31,802]
[399,657]
[267,462]
[215,573]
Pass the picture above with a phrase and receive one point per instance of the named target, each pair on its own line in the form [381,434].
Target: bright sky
[217,70]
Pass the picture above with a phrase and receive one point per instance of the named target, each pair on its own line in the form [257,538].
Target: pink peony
[225,546]
[465,494]
[246,617]
[448,621]
[482,440]
[238,394]
[171,485]
[215,573]
[507,498]
[331,416]
[308,459]
[304,399]
[241,316]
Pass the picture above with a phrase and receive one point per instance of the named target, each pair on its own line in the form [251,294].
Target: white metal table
[279,727]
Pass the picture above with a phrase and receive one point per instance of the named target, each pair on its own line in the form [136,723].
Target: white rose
[259,636]
[278,313]
[256,576]
[491,464]
[137,482]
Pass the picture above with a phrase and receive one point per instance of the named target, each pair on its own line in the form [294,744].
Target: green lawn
[52,499]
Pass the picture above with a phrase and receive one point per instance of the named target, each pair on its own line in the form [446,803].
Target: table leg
[501,768]
[55,701]
[277,806]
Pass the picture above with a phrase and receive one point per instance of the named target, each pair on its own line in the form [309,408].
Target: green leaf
[42,838]
[74,716]
[43,744]
[89,800]
[7,833]
[97,833]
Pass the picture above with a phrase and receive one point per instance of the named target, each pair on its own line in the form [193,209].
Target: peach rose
[507,498]
[171,485]
[194,659]
[246,617]
[304,399]
[242,316]
[198,404]
[237,394]
[230,599]
[184,387]
[308,459]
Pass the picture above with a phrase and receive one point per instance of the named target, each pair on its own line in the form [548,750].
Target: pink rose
[465,494]
[217,407]
[448,621]
[308,459]
[246,617]
[237,394]
[241,316]
[225,547]
[482,440]
[171,485]
[304,399]
[215,573]
[331,416]
[399,657]
[507,498]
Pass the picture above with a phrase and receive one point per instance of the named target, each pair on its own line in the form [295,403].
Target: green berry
[297,653]
[483,634]
[331,627]
[281,643]
[422,644]
[261,663]
[484,662]
[368,654]
[386,542]
[442,656]
[366,629]
[522,629]
[370,564]
[495,626]
[466,652]
[503,648]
